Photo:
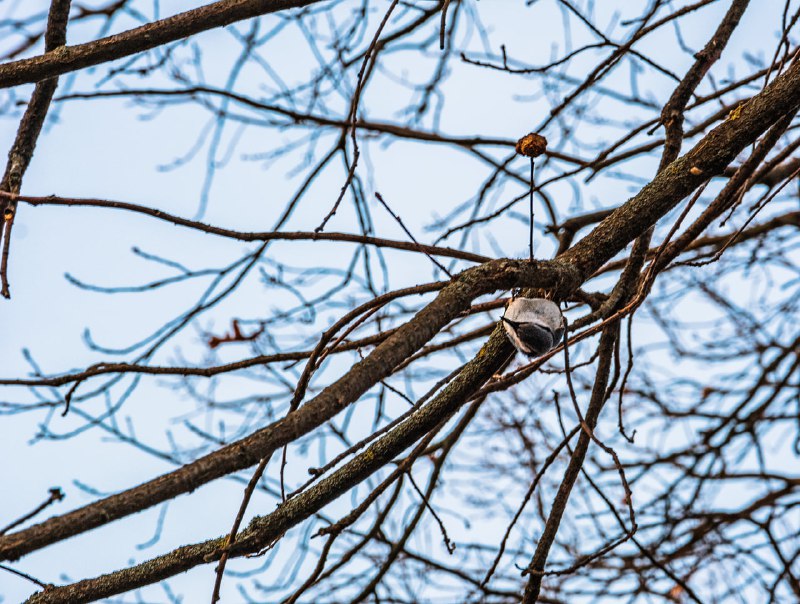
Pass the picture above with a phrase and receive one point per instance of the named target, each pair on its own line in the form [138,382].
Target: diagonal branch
[452,300]
[708,158]
[71,58]
[19,157]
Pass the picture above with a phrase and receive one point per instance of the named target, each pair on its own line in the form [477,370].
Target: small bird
[534,325]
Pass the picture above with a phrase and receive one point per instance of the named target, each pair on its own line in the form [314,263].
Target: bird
[534,325]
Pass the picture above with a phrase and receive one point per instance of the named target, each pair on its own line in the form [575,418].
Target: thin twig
[19,157]
[248,493]
[410,236]
[19,573]
[443,25]
[56,494]
[369,60]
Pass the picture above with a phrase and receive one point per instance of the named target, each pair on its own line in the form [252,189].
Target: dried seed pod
[534,325]
[531,145]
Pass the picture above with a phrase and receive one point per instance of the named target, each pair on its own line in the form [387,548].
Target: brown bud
[531,145]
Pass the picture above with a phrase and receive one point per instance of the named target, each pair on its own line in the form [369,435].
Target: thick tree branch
[672,116]
[452,300]
[708,158]
[598,398]
[71,58]
[19,157]
[265,530]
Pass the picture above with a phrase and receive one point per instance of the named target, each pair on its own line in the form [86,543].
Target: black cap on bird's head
[534,325]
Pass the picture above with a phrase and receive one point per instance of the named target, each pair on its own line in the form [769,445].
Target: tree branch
[71,58]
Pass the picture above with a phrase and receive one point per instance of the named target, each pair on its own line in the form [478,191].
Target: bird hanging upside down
[534,325]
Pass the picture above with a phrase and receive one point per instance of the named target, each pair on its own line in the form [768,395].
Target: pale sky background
[109,149]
